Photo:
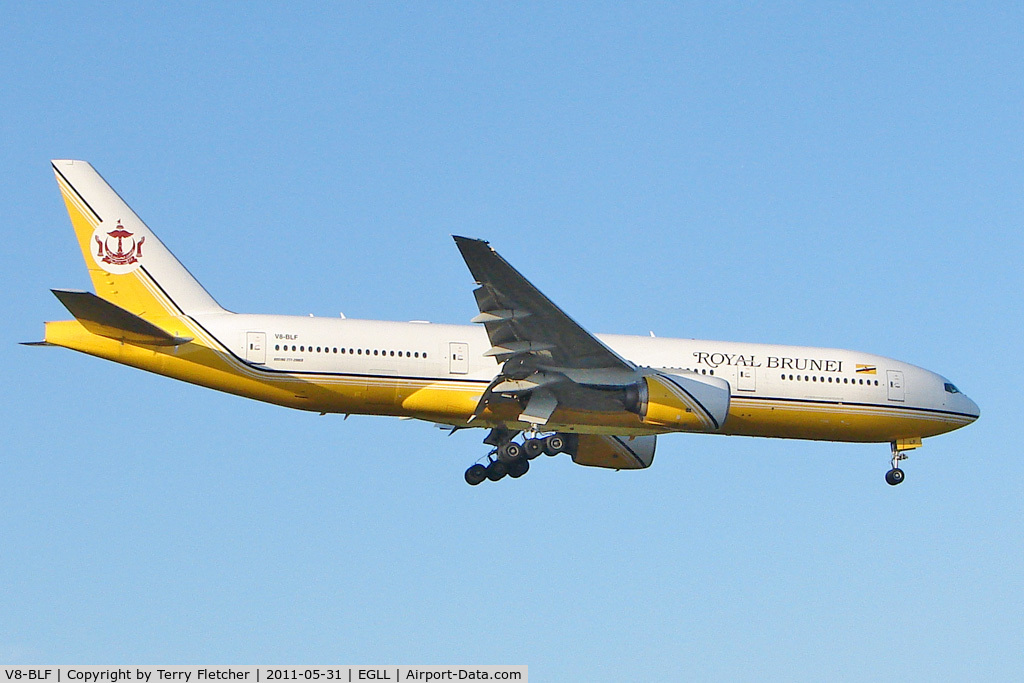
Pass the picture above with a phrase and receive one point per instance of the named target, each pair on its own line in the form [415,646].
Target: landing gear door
[256,347]
[458,358]
[895,381]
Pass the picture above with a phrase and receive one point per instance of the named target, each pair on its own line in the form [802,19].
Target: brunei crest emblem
[116,251]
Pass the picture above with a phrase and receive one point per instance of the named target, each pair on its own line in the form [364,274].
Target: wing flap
[509,349]
[541,406]
[499,315]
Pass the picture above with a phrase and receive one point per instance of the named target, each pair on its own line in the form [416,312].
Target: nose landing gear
[894,476]
[900,447]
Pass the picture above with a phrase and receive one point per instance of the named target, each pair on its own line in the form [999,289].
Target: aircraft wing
[545,352]
[521,321]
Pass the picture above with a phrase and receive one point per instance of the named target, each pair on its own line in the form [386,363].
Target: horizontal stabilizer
[101,317]
[38,343]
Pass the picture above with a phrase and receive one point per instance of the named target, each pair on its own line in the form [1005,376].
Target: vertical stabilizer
[128,264]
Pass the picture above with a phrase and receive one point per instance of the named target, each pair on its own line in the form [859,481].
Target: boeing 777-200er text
[525,369]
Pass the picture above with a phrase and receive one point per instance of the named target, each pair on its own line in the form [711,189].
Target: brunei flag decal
[866,369]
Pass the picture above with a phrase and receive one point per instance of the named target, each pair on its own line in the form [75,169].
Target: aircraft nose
[970,407]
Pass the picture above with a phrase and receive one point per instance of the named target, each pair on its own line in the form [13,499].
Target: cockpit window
[951,389]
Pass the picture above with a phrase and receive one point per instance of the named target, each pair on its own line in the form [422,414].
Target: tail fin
[128,264]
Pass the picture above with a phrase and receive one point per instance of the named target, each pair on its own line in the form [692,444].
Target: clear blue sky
[847,176]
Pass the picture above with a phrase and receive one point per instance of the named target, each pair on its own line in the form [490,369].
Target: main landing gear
[512,459]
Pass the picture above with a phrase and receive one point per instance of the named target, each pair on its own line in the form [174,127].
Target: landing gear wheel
[519,468]
[496,470]
[476,474]
[533,448]
[554,444]
[894,476]
[510,452]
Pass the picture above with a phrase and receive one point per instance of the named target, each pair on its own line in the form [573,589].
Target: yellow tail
[127,263]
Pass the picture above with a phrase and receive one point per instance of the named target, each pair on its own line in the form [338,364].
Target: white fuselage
[797,380]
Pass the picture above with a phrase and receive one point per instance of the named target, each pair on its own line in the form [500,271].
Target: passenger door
[458,358]
[895,382]
[256,347]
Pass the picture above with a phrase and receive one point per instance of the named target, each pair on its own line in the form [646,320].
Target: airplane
[524,370]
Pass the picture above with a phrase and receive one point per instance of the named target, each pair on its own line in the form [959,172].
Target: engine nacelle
[693,404]
[614,452]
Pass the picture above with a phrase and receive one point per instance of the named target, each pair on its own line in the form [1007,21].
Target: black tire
[519,468]
[894,476]
[510,452]
[533,447]
[496,470]
[554,444]
[476,474]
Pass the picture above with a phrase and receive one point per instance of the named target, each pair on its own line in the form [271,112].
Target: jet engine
[687,403]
